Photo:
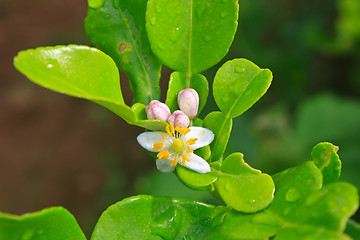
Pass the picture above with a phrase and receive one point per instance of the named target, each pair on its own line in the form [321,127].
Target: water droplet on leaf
[50,65]
[175,35]
[153,21]
[292,195]
[239,69]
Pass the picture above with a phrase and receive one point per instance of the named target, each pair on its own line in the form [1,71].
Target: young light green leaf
[147,217]
[194,180]
[179,81]
[238,85]
[53,223]
[118,28]
[191,35]
[327,160]
[78,71]
[243,188]
[221,127]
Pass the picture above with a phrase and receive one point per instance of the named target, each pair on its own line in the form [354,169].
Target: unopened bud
[179,119]
[157,110]
[188,101]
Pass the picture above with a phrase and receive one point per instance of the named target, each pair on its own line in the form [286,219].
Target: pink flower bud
[179,119]
[157,110]
[188,101]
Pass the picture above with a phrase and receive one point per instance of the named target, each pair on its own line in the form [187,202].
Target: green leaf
[327,160]
[238,85]
[220,125]
[147,217]
[118,28]
[194,180]
[301,209]
[78,71]
[83,72]
[53,223]
[179,81]
[242,187]
[327,209]
[191,35]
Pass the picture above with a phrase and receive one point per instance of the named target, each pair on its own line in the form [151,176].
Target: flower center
[178,146]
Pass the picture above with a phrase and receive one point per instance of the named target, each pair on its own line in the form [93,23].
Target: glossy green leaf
[147,217]
[243,188]
[118,28]
[220,125]
[204,152]
[178,82]
[238,85]
[306,209]
[78,71]
[191,35]
[194,180]
[53,223]
[327,160]
[327,209]
[82,72]
[301,209]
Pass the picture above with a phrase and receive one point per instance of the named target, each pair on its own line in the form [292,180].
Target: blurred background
[59,150]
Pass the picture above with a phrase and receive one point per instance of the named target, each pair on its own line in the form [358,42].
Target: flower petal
[196,164]
[204,137]
[163,165]
[147,140]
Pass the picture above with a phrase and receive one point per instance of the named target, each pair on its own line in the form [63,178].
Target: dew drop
[49,65]
[153,21]
[292,195]
[252,201]
[96,3]
[175,35]
[239,69]
[207,38]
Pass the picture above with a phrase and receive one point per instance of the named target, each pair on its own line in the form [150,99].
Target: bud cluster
[188,101]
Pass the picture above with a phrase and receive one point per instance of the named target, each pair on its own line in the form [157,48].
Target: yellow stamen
[168,131]
[191,141]
[185,159]
[186,131]
[174,161]
[163,136]
[164,154]
[190,150]
[157,146]
[172,128]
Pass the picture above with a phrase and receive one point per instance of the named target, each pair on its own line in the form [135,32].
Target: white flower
[177,146]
